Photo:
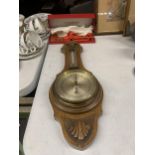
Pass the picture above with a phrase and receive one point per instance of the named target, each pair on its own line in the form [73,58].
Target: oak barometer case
[76,98]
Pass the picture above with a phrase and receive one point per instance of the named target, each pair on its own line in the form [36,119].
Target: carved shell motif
[79,130]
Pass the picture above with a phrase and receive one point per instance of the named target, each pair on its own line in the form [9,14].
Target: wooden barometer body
[76,98]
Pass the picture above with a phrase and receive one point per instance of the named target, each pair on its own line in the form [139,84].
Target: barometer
[76,98]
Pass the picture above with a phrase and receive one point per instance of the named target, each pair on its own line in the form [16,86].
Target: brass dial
[75,86]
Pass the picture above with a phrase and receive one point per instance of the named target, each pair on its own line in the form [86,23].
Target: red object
[89,15]
[62,20]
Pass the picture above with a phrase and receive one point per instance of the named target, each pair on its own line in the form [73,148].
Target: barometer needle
[76,84]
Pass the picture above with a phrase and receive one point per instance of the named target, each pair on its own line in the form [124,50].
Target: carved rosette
[79,130]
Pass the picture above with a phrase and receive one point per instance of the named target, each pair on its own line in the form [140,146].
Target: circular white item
[45,36]
[42,16]
[30,56]
[23,51]
[29,72]
[30,26]
[32,45]
[22,41]
[43,29]
[34,38]
[39,27]
[21,17]
[20,23]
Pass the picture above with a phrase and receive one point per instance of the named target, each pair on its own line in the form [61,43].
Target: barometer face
[75,86]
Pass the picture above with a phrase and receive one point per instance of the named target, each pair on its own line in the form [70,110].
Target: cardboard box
[116,24]
[64,20]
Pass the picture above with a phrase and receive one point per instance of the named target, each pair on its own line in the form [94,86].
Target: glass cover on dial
[75,86]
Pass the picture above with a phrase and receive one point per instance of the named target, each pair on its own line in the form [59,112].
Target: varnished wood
[78,120]
[66,50]
[125,24]
[104,26]
[130,17]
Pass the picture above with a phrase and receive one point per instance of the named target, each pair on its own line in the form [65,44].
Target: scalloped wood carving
[79,130]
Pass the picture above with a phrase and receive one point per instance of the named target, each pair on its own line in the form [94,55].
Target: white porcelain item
[31,46]
[35,39]
[33,49]
[21,23]
[31,26]
[22,41]
[39,27]
[21,29]
[21,17]
[23,51]
[42,16]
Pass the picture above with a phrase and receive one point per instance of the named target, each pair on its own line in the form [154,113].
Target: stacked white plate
[21,19]
[39,24]
[21,24]
[30,45]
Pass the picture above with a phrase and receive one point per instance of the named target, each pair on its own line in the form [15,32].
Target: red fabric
[89,15]
[89,38]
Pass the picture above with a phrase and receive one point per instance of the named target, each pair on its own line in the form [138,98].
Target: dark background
[30,7]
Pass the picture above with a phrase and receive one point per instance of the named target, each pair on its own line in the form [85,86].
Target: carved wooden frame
[79,128]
